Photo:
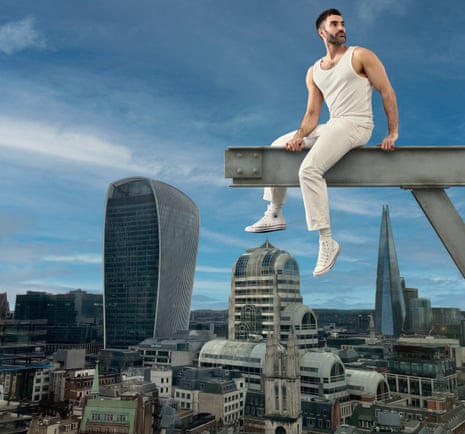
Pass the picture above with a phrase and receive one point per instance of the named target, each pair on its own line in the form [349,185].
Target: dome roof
[367,381]
[241,351]
[265,260]
[321,360]
[298,314]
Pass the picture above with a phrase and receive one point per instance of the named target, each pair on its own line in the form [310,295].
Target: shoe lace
[323,254]
[271,212]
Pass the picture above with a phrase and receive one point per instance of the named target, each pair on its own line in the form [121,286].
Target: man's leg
[273,219]
[336,138]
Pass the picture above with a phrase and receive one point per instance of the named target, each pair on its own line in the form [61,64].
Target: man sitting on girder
[344,79]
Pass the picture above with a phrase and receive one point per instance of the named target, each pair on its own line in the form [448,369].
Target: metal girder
[410,166]
[426,171]
[445,220]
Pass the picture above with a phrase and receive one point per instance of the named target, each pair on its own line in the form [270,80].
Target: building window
[276,397]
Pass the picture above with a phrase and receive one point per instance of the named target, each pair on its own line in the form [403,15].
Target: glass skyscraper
[390,304]
[150,248]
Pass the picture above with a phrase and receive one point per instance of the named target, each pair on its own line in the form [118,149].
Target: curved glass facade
[150,248]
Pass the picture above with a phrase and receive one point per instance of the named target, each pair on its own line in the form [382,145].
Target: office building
[132,413]
[74,318]
[418,372]
[15,334]
[265,298]
[181,349]
[442,415]
[4,306]
[390,305]
[211,390]
[182,421]
[448,322]
[27,382]
[419,316]
[150,248]
[47,425]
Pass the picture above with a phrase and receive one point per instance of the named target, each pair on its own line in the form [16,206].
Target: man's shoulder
[362,57]
[361,51]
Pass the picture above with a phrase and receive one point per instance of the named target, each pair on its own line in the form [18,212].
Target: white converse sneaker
[329,249]
[273,220]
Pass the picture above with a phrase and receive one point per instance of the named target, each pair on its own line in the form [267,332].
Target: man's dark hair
[325,14]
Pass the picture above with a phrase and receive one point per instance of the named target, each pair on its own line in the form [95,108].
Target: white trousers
[327,144]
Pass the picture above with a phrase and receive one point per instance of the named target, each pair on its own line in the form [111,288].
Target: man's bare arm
[311,116]
[374,70]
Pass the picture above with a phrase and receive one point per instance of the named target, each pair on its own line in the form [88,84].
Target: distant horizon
[226,308]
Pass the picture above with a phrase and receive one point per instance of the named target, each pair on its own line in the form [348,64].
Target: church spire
[95,392]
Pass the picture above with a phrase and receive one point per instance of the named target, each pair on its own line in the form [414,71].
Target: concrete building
[180,349]
[131,414]
[78,384]
[113,360]
[53,425]
[265,298]
[183,421]
[126,412]
[399,417]
[322,374]
[162,377]
[212,390]
[150,249]
[366,386]
[29,383]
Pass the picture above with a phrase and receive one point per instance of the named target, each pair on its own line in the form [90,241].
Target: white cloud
[370,10]
[222,239]
[35,139]
[210,269]
[20,35]
[83,258]
[57,143]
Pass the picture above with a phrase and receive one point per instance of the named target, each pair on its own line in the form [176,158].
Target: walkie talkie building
[151,238]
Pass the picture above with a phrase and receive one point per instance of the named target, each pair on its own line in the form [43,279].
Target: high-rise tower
[265,298]
[390,304]
[150,248]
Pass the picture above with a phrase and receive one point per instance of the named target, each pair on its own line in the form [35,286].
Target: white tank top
[346,93]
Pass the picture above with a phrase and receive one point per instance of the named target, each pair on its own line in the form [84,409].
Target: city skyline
[109,90]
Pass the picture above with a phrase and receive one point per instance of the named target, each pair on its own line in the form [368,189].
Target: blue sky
[98,90]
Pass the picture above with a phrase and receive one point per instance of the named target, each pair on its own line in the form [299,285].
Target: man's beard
[335,39]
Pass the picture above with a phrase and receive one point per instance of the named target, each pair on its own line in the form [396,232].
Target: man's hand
[295,145]
[388,143]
